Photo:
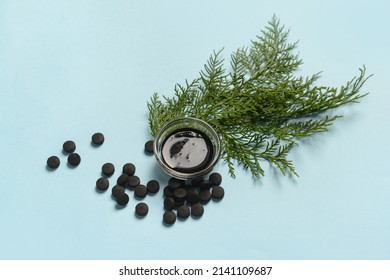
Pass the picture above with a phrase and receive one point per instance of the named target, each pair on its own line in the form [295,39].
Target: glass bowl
[187,148]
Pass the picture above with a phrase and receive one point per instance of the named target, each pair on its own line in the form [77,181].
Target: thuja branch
[259,107]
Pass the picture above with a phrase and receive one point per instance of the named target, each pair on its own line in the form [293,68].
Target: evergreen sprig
[259,108]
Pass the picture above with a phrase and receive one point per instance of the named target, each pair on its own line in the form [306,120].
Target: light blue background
[71,68]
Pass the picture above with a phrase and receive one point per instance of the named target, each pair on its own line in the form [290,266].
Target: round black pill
[169,203]
[97,139]
[69,147]
[192,197]
[215,179]
[116,190]
[141,209]
[168,191]
[140,191]
[53,162]
[204,196]
[169,217]
[149,147]
[102,184]
[108,169]
[218,192]
[178,203]
[175,183]
[183,212]
[205,184]
[133,181]
[74,159]
[197,210]
[129,169]
[196,182]
[189,188]
[179,194]
[122,180]
[122,199]
[153,186]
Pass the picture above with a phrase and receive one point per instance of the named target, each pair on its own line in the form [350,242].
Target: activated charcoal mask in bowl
[187,148]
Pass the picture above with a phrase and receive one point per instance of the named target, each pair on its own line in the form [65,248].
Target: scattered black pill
[53,162]
[168,191]
[122,199]
[205,184]
[116,190]
[169,203]
[204,196]
[102,184]
[74,159]
[175,183]
[129,169]
[69,147]
[192,197]
[218,192]
[197,210]
[149,147]
[141,209]
[153,186]
[215,179]
[179,194]
[140,191]
[183,212]
[108,169]
[133,181]
[97,139]
[169,217]
[122,180]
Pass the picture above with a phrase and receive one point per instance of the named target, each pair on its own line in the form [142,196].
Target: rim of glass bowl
[187,122]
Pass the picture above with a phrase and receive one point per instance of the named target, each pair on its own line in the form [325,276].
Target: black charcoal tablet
[169,203]
[169,217]
[179,194]
[74,159]
[129,169]
[218,192]
[179,203]
[102,184]
[69,147]
[204,196]
[53,162]
[149,147]
[153,186]
[175,183]
[122,199]
[183,212]
[122,180]
[168,191]
[140,191]
[116,190]
[196,182]
[97,139]
[215,179]
[192,197]
[197,210]
[141,209]
[205,184]
[108,169]
[133,181]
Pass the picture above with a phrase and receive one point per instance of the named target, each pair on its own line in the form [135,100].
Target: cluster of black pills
[127,181]
[182,199]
